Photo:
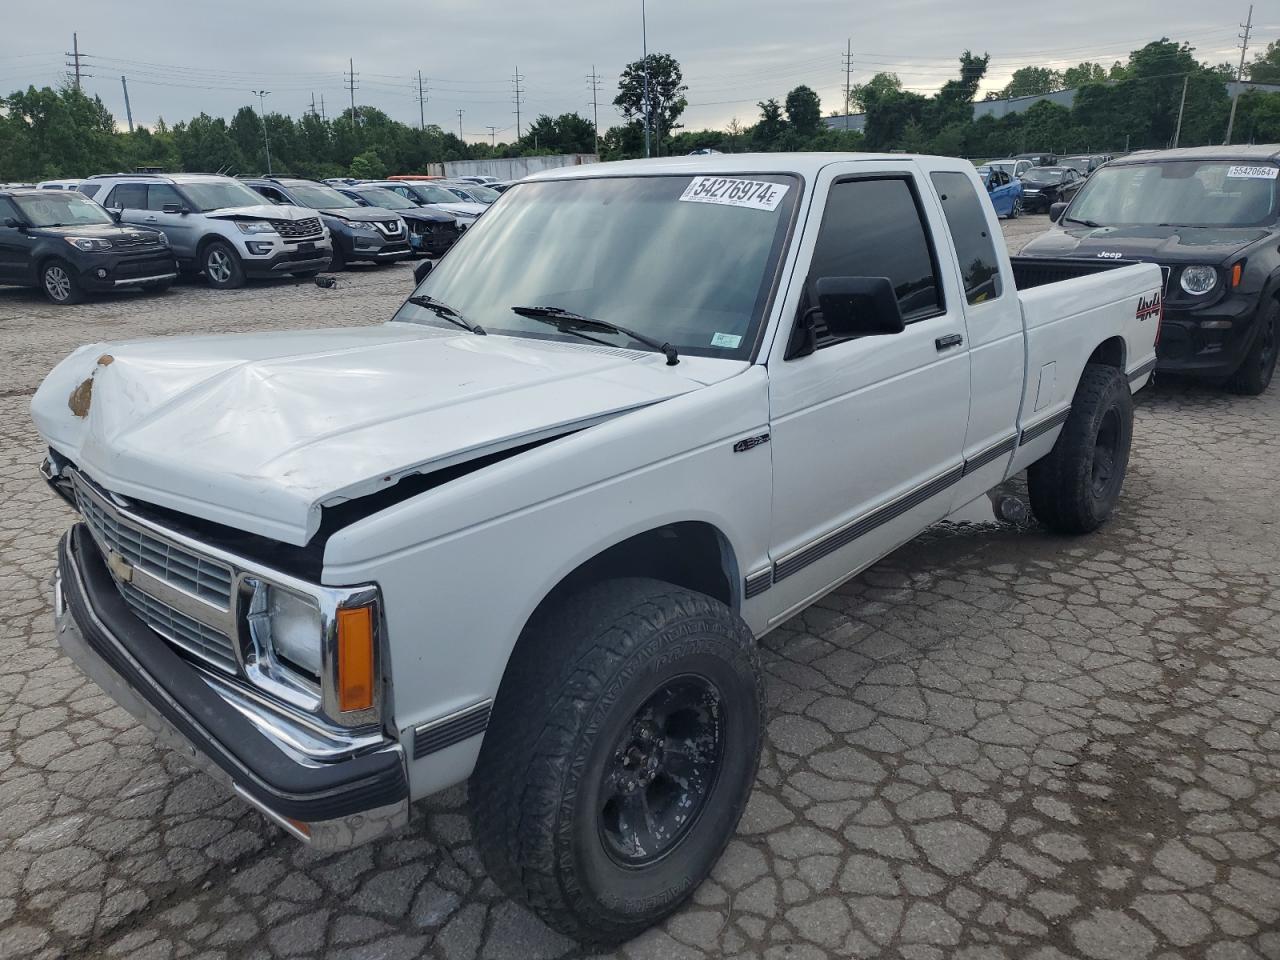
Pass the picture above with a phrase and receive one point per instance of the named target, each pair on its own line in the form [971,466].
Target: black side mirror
[421,270]
[859,306]
[116,214]
[1056,211]
[12,223]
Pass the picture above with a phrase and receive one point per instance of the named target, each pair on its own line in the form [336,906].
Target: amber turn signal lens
[355,659]
[1236,273]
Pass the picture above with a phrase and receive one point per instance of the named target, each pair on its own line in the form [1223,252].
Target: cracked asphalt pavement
[994,743]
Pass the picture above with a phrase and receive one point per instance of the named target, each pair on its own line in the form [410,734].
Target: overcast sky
[182,58]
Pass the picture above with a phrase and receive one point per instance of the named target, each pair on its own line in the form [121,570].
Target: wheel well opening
[1109,353]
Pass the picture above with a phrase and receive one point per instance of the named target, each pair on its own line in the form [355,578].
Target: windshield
[60,209]
[206,195]
[388,199]
[1080,164]
[1188,193]
[626,250]
[320,198]
[1043,175]
[432,194]
[482,193]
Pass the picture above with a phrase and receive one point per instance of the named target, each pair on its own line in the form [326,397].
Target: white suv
[216,225]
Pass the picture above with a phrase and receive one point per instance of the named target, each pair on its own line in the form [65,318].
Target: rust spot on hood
[106,360]
[81,397]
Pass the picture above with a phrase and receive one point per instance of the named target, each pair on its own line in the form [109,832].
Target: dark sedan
[1042,187]
[431,231]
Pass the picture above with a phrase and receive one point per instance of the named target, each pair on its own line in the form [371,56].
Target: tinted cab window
[874,228]
[971,235]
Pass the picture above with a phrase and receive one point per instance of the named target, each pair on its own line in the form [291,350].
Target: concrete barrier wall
[511,168]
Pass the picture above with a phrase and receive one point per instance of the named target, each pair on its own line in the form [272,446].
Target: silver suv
[216,225]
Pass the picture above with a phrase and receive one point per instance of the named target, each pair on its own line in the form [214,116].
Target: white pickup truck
[528,531]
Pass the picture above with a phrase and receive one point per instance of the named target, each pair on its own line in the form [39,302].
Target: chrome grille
[390,227]
[196,575]
[297,229]
[179,629]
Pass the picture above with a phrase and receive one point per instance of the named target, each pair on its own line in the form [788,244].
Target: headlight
[1198,281]
[289,626]
[88,244]
[255,226]
[162,239]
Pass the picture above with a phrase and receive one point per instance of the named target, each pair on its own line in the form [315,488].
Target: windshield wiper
[446,312]
[575,322]
[1083,223]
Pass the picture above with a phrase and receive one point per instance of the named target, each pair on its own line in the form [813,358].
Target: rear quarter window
[971,235]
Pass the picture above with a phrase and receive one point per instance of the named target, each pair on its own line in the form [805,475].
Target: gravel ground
[995,743]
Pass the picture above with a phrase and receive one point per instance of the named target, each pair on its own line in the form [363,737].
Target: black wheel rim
[1106,450]
[661,771]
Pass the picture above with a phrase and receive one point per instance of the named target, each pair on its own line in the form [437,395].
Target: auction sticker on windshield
[735,192]
[1252,173]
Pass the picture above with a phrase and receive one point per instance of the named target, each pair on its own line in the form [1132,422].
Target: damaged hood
[260,431]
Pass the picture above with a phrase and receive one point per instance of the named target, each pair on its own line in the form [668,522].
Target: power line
[516,80]
[351,77]
[75,55]
[1244,48]
[593,82]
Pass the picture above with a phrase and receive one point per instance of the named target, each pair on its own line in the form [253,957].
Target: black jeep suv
[67,245]
[1210,216]
[358,232]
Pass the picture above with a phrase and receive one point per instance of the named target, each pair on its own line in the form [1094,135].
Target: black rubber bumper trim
[175,691]
[1142,370]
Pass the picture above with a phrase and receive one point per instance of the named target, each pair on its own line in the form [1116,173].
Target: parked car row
[224,228]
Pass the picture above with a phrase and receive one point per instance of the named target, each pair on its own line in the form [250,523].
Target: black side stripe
[445,732]
[1005,446]
[1044,426]
[845,535]
[1143,370]
[758,582]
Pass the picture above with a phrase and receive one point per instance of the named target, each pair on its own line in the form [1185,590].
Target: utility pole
[460,134]
[262,116]
[493,135]
[1244,48]
[75,55]
[128,111]
[422,101]
[593,81]
[1181,107]
[848,78]
[644,39]
[313,103]
[351,87]
[516,80]
[323,116]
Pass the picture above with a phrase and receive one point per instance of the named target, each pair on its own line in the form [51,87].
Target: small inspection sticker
[1252,173]
[735,192]
[727,340]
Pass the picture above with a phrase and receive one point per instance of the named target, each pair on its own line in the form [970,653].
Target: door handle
[949,341]
[150,220]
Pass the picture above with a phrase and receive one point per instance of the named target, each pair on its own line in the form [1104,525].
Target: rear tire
[1076,486]
[59,283]
[624,745]
[1254,375]
[1016,210]
[222,267]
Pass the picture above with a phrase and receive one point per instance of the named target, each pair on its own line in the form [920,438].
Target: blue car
[1005,191]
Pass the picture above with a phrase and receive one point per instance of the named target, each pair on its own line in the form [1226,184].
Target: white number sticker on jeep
[1252,173]
[735,192]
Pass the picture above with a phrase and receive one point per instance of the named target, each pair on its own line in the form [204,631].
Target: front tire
[337,260]
[1254,375]
[58,280]
[1075,488]
[624,744]
[222,267]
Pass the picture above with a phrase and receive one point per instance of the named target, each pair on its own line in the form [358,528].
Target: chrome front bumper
[237,743]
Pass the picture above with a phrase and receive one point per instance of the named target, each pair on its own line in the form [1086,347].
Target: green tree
[876,89]
[204,144]
[1265,67]
[567,133]
[369,165]
[666,93]
[768,133]
[804,111]
[1082,74]
[1032,81]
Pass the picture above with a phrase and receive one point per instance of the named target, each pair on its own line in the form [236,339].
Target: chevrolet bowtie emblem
[120,568]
